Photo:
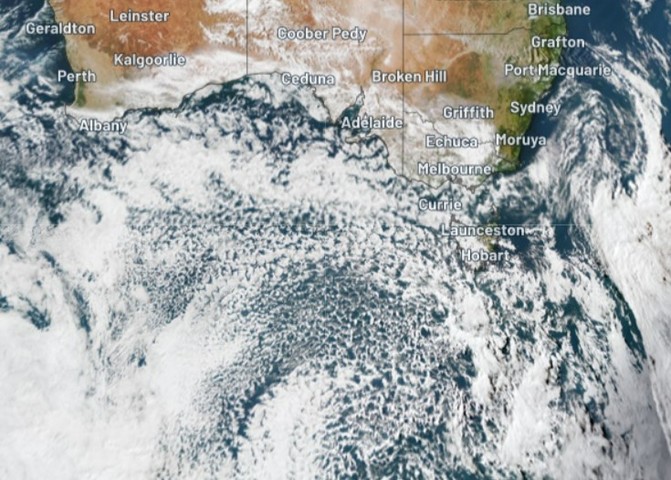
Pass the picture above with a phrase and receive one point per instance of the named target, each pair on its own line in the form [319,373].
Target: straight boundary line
[246,37]
[464,34]
[403,87]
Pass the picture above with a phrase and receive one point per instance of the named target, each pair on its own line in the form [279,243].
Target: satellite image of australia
[335,239]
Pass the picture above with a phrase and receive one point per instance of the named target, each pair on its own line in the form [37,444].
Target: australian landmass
[444,83]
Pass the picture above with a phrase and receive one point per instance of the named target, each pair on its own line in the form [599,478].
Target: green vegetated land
[526,90]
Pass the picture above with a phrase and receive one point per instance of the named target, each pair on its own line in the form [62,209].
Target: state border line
[463,34]
[247,37]
[403,88]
